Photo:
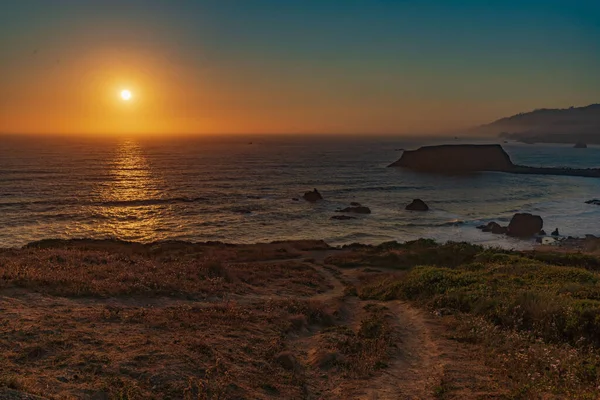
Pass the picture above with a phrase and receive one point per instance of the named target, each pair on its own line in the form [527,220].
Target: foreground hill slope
[296,320]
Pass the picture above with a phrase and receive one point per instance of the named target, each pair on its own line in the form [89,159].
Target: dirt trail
[426,365]
[417,368]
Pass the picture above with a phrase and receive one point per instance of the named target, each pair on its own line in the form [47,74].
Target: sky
[274,66]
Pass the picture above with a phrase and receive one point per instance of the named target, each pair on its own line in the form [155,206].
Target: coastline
[588,244]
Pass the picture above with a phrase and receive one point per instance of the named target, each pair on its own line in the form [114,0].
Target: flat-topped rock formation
[476,158]
[464,157]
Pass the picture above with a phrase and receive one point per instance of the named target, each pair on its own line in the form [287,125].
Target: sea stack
[451,158]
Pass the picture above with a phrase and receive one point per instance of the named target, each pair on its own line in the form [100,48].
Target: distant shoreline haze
[567,125]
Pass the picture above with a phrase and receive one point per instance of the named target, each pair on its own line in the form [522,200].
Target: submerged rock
[356,210]
[342,217]
[525,225]
[595,202]
[312,196]
[580,145]
[417,205]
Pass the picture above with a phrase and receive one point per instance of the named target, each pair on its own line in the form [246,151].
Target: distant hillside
[567,125]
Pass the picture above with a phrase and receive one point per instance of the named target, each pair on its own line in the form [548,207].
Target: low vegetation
[538,314]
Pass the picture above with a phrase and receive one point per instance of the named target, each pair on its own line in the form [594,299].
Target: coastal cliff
[476,158]
[568,125]
[467,157]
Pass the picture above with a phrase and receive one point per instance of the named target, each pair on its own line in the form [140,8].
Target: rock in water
[499,230]
[312,196]
[357,210]
[525,225]
[555,232]
[580,145]
[595,202]
[493,227]
[342,217]
[417,205]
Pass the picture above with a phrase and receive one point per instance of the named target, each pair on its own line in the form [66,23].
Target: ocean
[242,190]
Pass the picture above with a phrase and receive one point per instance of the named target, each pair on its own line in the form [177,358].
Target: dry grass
[362,351]
[78,272]
[224,350]
[118,321]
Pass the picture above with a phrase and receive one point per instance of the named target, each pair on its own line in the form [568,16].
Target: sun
[126,95]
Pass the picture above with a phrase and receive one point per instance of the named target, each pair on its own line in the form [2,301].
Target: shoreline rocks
[525,225]
[417,205]
[342,217]
[494,228]
[521,225]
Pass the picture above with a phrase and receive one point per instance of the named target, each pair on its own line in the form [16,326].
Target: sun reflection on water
[127,210]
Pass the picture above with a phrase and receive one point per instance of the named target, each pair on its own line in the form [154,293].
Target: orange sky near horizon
[82,96]
[276,67]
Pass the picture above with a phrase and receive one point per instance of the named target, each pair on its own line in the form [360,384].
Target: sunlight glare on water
[229,190]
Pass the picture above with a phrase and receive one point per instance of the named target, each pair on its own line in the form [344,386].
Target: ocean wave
[378,189]
[434,225]
[111,203]
[150,202]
